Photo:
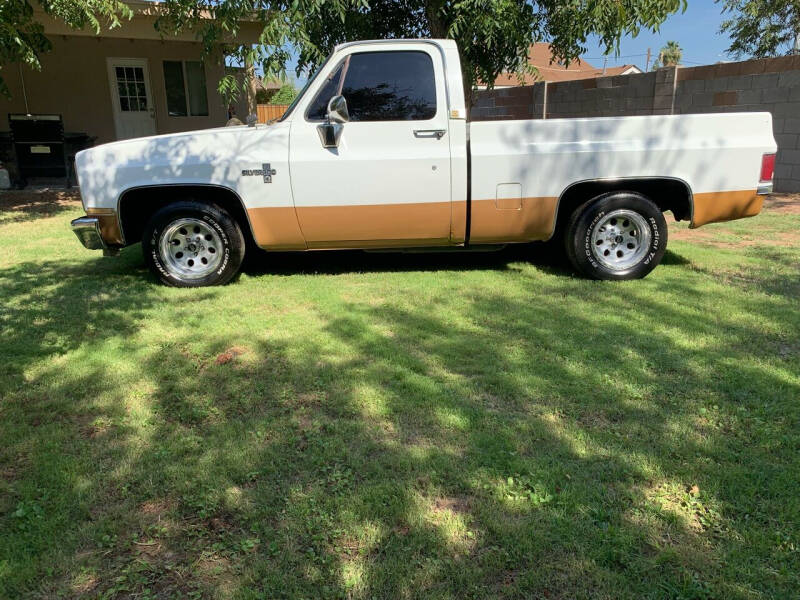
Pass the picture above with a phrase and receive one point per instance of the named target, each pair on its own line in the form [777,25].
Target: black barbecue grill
[38,142]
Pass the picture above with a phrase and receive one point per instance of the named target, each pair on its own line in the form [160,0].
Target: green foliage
[493,35]
[27,515]
[284,95]
[22,38]
[669,56]
[283,26]
[761,28]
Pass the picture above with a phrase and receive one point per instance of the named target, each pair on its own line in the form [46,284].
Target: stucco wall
[74,82]
[770,85]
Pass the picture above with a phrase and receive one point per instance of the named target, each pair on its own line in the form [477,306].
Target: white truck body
[418,182]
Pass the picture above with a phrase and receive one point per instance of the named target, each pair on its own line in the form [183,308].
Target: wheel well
[136,206]
[668,194]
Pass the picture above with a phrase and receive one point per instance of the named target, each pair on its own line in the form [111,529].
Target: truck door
[388,181]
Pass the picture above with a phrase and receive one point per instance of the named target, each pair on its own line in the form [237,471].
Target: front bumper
[88,231]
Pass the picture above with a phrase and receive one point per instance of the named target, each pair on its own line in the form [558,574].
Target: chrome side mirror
[337,110]
[331,132]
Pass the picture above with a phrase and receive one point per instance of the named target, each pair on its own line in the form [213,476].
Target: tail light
[767,167]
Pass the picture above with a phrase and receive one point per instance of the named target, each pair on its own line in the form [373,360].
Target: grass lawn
[348,425]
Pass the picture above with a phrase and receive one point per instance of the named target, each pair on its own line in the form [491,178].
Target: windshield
[305,87]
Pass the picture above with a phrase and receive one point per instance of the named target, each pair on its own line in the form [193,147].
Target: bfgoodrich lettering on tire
[192,244]
[620,235]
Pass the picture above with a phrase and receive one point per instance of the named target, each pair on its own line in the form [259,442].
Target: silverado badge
[265,170]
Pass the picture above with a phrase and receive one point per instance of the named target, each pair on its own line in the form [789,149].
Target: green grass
[347,425]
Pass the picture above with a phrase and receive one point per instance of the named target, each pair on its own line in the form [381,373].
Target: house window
[131,88]
[185,83]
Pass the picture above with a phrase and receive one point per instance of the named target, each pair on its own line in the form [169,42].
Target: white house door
[132,101]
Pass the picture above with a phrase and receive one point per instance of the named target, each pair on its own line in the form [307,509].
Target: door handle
[437,133]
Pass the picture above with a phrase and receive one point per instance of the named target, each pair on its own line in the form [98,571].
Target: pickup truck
[377,152]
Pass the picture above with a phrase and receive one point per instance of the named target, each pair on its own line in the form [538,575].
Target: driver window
[390,86]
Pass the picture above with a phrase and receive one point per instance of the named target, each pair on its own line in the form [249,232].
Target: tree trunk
[250,81]
[469,96]
[437,28]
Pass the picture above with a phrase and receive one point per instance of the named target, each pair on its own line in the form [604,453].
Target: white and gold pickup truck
[377,152]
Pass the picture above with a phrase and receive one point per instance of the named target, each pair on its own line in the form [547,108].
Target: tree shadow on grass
[503,443]
[544,256]
[22,206]
[547,257]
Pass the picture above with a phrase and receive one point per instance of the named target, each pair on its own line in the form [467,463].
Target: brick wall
[771,84]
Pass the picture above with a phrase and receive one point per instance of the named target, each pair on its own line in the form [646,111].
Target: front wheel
[191,244]
[620,235]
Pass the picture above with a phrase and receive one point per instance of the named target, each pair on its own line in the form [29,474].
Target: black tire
[210,226]
[592,256]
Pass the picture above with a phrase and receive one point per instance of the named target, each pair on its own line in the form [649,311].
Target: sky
[695,30]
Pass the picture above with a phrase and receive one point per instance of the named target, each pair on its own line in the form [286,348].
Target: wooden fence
[267,112]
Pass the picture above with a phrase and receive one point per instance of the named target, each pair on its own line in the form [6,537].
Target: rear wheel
[621,235]
[191,244]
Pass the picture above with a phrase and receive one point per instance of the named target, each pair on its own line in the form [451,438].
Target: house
[125,82]
[550,69]
[266,89]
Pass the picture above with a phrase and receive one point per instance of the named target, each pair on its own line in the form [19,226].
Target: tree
[284,95]
[22,39]
[761,28]
[669,56]
[285,27]
[493,35]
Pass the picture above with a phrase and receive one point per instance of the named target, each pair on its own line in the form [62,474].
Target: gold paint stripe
[276,228]
[418,223]
[441,223]
[534,219]
[458,222]
[109,225]
[716,207]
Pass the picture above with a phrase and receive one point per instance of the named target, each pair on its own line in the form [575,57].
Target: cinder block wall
[771,84]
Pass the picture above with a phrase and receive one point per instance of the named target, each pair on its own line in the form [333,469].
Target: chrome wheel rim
[190,248]
[620,240]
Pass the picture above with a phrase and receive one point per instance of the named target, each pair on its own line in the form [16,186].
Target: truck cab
[397,164]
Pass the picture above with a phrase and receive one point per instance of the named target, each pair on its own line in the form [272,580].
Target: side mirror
[337,110]
[331,132]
